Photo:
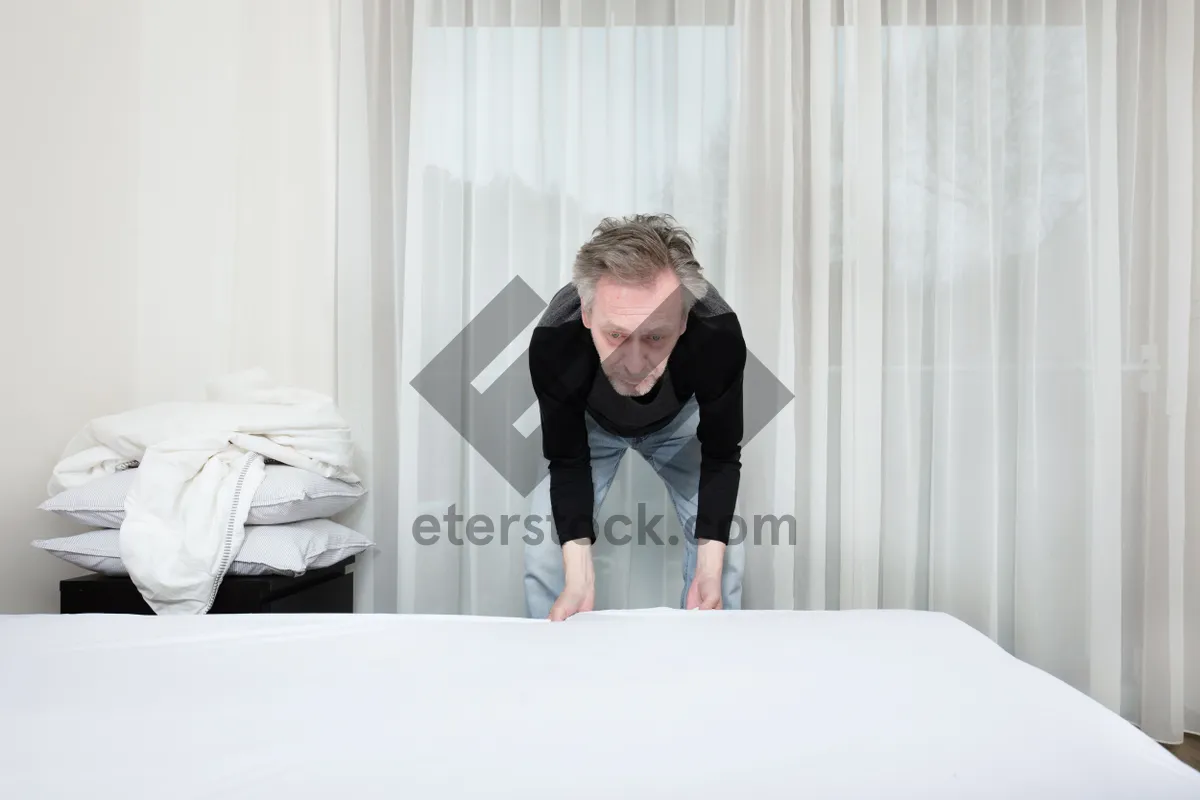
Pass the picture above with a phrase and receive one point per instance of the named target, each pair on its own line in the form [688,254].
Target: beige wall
[166,185]
[68,213]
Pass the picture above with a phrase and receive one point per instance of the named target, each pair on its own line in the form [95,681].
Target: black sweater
[707,363]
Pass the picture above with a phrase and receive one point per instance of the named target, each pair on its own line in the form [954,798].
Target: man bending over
[638,351]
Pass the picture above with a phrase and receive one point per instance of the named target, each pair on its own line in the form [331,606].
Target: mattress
[641,704]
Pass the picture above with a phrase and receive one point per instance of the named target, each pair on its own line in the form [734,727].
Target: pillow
[289,549]
[287,494]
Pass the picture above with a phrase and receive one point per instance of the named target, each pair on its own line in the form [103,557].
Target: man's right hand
[573,600]
[579,592]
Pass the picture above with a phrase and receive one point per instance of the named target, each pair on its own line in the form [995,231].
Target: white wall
[166,215]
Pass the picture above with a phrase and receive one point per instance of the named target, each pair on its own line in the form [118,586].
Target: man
[638,351]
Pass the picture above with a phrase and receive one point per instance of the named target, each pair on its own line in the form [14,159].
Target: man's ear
[587,318]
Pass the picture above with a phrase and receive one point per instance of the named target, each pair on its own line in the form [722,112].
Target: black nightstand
[322,591]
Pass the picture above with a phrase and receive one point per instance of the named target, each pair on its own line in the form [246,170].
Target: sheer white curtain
[962,233]
[499,135]
[974,224]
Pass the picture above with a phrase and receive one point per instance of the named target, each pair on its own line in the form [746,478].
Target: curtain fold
[374,69]
[1191,648]
[962,233]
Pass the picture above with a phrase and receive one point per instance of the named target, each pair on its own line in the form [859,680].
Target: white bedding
[200,466]
[655,704]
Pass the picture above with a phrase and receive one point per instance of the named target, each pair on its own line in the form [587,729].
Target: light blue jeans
[544,577]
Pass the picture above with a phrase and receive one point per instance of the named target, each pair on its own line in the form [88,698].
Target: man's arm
[557,372]
[719,431]
[560,373]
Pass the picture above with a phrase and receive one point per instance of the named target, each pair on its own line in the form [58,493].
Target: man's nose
[637,357]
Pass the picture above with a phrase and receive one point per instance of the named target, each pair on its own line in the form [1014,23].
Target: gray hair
[634,250]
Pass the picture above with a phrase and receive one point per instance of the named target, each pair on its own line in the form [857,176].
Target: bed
[641,704]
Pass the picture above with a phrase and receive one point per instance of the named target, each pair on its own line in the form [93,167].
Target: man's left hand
[705,591]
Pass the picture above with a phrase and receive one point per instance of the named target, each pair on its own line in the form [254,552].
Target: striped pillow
[287,494]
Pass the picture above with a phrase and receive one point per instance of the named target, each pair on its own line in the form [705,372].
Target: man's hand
[705,591]
[573,600]
[579,592]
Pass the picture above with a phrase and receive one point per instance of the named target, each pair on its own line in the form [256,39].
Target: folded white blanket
[199,467]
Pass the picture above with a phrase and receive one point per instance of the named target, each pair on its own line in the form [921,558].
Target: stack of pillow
[288,529]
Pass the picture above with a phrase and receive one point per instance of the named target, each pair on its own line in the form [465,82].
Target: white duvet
[869,705]
[199,465]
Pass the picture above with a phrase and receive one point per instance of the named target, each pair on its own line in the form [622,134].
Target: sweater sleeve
[559,374]
[719,430]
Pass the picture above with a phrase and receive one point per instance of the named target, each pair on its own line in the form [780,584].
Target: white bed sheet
[646,704]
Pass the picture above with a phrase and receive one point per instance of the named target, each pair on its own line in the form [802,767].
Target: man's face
[635,328]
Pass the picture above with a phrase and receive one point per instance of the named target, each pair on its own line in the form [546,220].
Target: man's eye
[654,337]
[615,335]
